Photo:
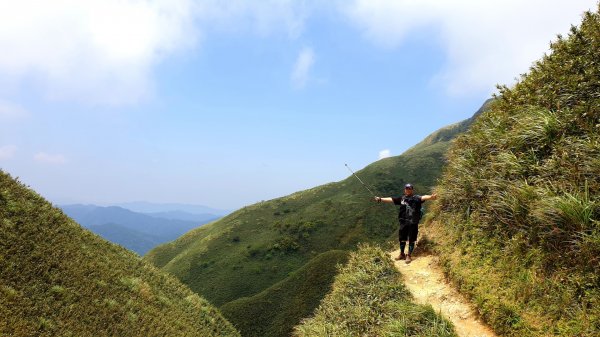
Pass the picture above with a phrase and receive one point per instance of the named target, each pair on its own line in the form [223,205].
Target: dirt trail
[425,280]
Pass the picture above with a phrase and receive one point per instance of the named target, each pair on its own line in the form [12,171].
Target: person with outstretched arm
[409,217]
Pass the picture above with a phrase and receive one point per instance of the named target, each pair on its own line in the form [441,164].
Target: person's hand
[434,196]
[377,199]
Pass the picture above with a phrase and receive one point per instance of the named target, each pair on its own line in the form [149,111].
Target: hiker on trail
[409,216]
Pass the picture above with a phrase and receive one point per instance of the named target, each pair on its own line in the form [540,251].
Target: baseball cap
[409,186]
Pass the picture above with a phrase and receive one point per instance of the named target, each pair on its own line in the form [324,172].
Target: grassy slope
[59,279]
[370,299]
[276,310]
[518,219]
[258,246]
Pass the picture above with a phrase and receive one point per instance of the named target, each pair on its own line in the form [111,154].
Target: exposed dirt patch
[425,280]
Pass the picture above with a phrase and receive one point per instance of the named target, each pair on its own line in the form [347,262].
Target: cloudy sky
[229,102]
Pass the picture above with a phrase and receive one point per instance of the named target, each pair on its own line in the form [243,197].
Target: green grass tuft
[369,299]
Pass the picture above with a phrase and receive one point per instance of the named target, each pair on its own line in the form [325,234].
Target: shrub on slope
[276,310]
[59,279]
[517,220]
[369,299]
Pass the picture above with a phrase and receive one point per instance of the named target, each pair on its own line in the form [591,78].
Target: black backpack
[410,211]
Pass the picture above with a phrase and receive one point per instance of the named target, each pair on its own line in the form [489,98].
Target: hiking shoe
[400,257]
[408,259]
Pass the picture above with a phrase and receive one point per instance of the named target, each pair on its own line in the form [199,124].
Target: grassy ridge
[59,279]
[259,245]
[276,310]
[518,218]
[253,248]
[370,299]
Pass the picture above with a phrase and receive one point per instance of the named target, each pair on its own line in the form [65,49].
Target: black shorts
[408,232]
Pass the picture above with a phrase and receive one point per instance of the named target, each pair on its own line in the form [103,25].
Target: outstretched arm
[429,197]
[387,200]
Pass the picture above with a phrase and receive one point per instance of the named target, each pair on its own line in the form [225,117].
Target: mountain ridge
[133,240]
[150,229]
[248,251]
[154,207]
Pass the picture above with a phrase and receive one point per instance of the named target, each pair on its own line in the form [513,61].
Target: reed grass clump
[518,220]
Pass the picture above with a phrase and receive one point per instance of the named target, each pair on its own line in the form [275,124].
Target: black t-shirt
[410,209]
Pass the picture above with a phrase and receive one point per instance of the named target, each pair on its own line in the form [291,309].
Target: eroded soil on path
[425,280]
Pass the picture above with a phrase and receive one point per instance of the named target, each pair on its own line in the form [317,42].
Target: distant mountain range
[180,215]
[150,207]
[136,241]
[136,231]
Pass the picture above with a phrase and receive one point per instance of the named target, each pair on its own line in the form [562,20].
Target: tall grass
[369,299]
[520,197]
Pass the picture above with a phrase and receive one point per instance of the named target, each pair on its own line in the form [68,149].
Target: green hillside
[58,279]
[253,248]
[517,224]
[369,299]
[276,310]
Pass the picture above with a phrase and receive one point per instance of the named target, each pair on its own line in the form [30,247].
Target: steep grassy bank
[369,299]
[57,279]
[517,222]
[276,310]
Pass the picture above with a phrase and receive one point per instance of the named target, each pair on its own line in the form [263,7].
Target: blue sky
[225,103]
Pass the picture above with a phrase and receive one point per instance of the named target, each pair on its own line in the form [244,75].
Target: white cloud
[301,71]
[105,51]
[45,158]
[384,154]
[486,42]
[7,151]
[10,111]
[99,51]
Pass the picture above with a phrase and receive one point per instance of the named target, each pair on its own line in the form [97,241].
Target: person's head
[408,189]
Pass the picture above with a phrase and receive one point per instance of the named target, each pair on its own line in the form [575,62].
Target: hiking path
[425,279]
